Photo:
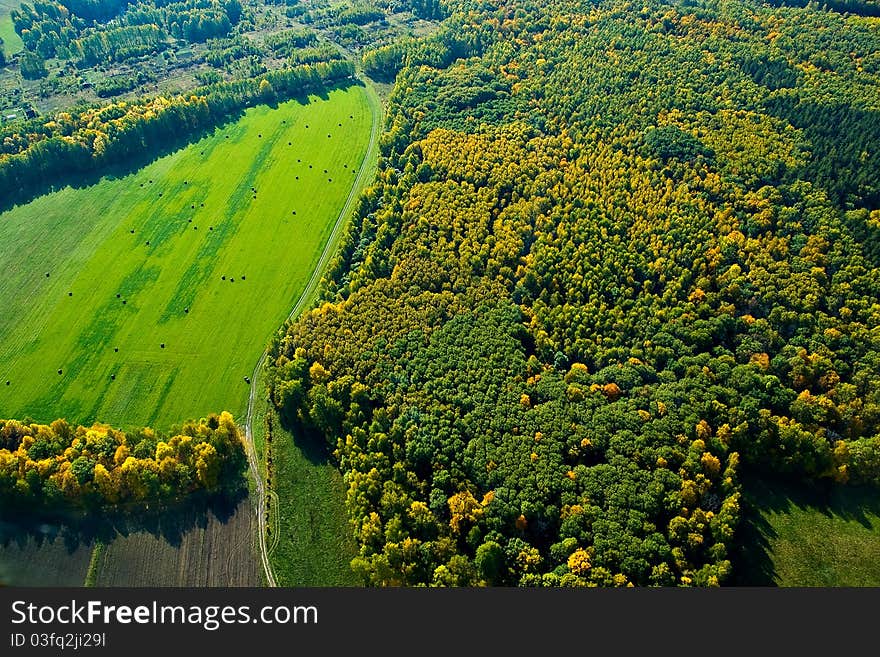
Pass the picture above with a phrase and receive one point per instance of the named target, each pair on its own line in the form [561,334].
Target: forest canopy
[615,255]
[58,466]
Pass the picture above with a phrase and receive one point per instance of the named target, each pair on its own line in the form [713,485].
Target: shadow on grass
[75,530]
[133,162]
[753,557]
[309,441]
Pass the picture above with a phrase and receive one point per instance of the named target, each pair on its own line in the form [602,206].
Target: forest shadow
[170,522]
[752,554]
[308,440]
[120,169]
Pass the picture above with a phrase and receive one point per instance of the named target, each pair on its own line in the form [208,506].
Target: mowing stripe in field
[153,294]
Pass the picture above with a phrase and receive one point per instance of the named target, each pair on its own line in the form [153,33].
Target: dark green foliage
[603,267]
[671,142]
[32,66]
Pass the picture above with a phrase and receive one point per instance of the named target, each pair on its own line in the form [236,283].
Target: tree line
[59,466]
[36,153]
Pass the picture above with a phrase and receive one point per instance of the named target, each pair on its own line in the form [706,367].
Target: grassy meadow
[797,535]
[12,43]
[147,299]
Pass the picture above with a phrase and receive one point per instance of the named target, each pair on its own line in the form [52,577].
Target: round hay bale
[124,302]
[116,350]
[118,295]
[47,274]
[223,278]
[113,377]
[70,294]
[132,231]
[186,310]
[210,228]
[59,372]
[162,346]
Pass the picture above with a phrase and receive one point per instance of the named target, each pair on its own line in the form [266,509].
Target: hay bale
[223,278]
[59,372]
[124,302]
[47,274]
[113,377]
[116,350]
[162,346]
[70,294]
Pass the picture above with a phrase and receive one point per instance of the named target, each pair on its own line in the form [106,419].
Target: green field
[12,43]
[163,239]
[310,539]
[804,536]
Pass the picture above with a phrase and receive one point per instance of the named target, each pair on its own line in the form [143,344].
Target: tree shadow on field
[132,162]
[308,440]
[170,522]
[752,554]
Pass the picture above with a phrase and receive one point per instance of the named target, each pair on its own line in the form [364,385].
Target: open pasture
[147,299]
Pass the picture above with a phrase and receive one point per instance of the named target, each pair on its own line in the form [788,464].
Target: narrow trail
[330,245]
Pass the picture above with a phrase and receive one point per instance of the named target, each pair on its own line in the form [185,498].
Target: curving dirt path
[357,186]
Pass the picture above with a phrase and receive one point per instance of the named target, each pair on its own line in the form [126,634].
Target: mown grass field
[805,536]
[314,544]
[182,253]
[12,43]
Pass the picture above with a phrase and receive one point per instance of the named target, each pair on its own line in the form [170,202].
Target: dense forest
[58,466]
[614,256]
